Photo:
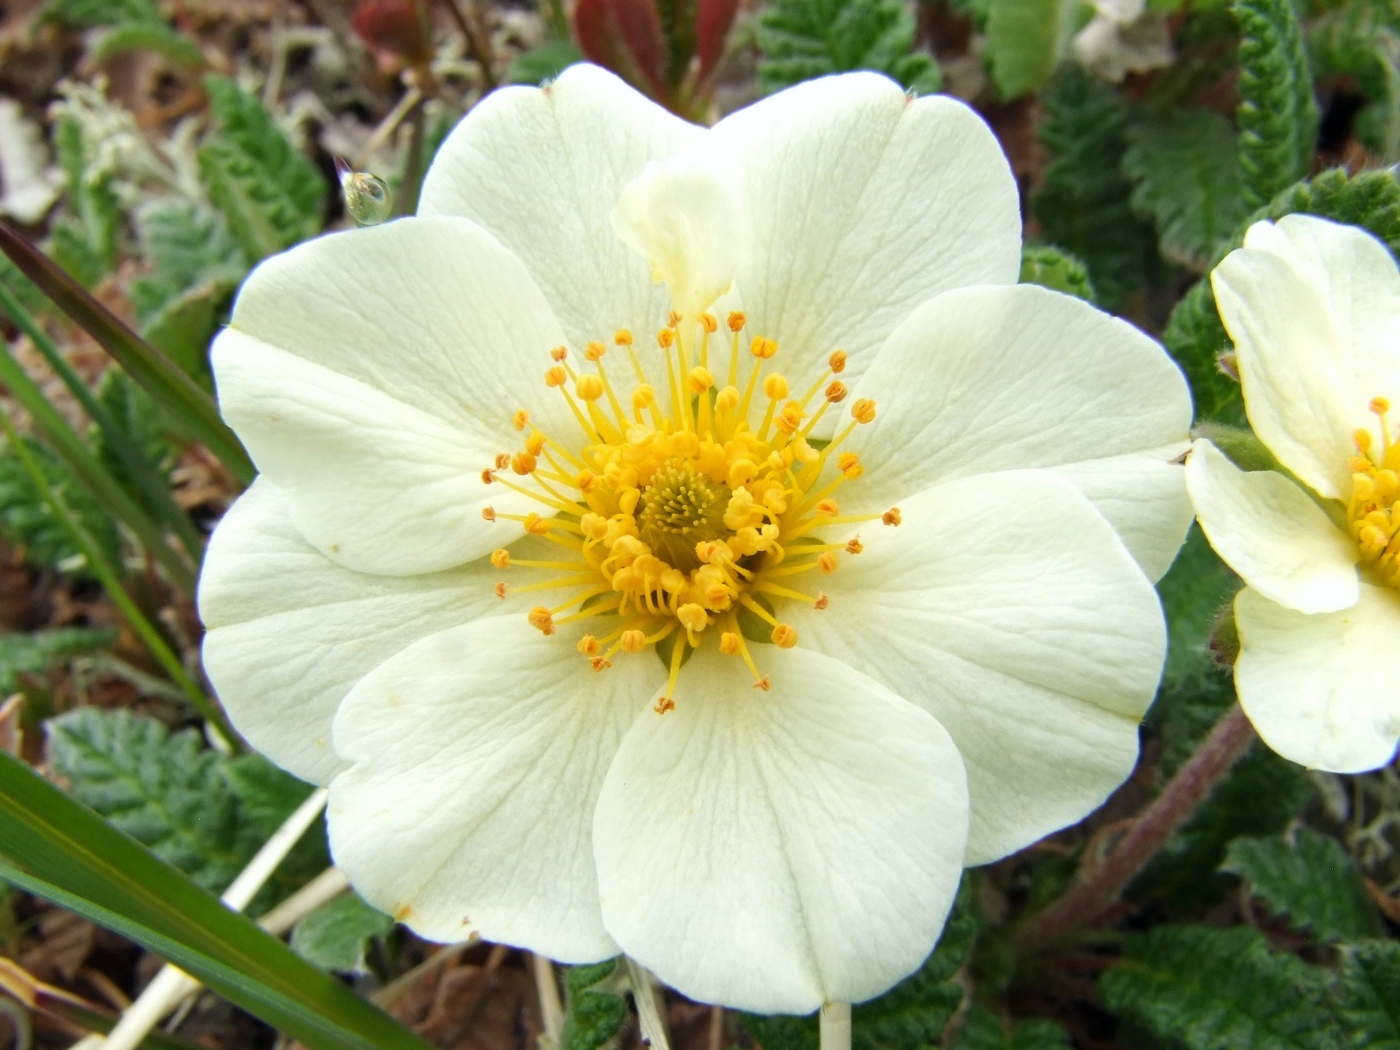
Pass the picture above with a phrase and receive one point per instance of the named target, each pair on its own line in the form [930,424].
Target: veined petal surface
[476,756]
[1271,532]
[1006,607]
[776,850]
[997,378]
[1320,689]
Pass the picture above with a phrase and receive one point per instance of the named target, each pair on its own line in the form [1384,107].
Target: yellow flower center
[673,522]
[1372,512]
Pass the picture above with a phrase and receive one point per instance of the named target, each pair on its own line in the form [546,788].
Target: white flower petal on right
[1313,308]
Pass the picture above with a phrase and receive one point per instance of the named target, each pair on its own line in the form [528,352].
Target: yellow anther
[784,636]
[729,641]
[740,471]
[692,617]
[623,337]
[790,418]
[500,557]
[863,410]
[1363,487]
[643,396]
[736,320]
[828,508]
[541,619]
[775,387]
[1387,483]
[673,318]
[556,376]
[836,392]
[673,581]
[1379,405]
[488,513]
[632,641]
[627,500]
[848,463]
[586,481]
[559,353]
[536,525]
[854,546]
[803,452]
[837,361]
[663,705]
[588,645]
[708,322]
[1362,439]
[487,477]
[763,348]
[502,460]
[523,463]
[534,444]
[726,401]
[666,338]
[502,589]
[821,603]
[892,517]
[589,387]
[594,351]
[828,562]
[765,683]
[520,420]
[594,526]
[700,379]
[599,663]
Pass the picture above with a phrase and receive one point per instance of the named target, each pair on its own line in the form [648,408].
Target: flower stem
[551,1006]
[648,1016]
[1098,890]
[836,1026]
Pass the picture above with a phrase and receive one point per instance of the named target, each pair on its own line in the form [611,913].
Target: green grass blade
[187,404]
[62,851]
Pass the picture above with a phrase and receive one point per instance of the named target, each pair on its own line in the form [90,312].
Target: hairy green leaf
[85,14]
[1368,998]
[1051,268]
[596,1011]
[983,1030]
[35,652]
[1208,988]
[84,242]
[270,195]
[27,520]
[1278,113]
[337,934]
[156,37]
[143,424]
[1083,204]
[1309,879]
[544,62]
[1187,173]
[1360,40]
[803,39]
[188,246]
[1196,591]
[1027,40]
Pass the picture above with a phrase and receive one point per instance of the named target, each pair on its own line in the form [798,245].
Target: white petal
[861,203]
[289,632]
[375,483]
[433,312]
[476,759]
[542,169]
[986,379]
[772,851]
[1007,608]
[1321,689]
[1272,533]
[1314,311]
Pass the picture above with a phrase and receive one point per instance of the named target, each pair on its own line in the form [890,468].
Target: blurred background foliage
[156,150]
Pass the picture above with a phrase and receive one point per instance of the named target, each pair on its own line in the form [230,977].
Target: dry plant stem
[716,1034]
[648,1016]
[835,1026]
[391,991]
[172,985]
[551,1007]
[1097,892]
[478,39]
[386,127]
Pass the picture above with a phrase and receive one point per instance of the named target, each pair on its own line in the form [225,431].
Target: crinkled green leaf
[189,246]
[1082,204]
[1187,173]
[1051,268]
[85,14]
[1360,40]
[1027,39]
[155,37]
[983,1030]
[270,195]
[1208,988]
[595,1009]
[1196,591]
[1309,879]
[1367,1001]
[84,242]
[337,934]
[143,424]
[1278,113]
[34,652]
[27,520]
[803,39]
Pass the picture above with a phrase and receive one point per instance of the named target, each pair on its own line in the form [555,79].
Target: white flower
[1314,310]
[525,766]
[1124,37]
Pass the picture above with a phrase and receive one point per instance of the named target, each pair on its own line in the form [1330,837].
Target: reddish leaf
[625,37]
[396,27]
[713,20]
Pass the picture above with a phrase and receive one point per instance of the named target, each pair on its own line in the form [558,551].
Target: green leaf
[156,37]
[336,935]
[596,1011]
[141,421]
[1207,988]
[1311,880]
[55,848]
[27,520]
[983,1030]
[1278,113]
[803,39]
[1082,204]
[1027,40]
[184,328]
[189,246]
[1368,998]
[85,14]
[1051,268]
[270,195]
[544,62]
[34,653]
[1358,41]
[1196,591]
[1187,173]
[85,242]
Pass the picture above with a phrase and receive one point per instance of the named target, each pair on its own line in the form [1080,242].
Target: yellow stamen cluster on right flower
[1373,511]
